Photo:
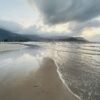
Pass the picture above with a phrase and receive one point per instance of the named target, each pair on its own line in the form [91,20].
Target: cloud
[95,38]
[11,26]
[31,30]
[77,28]
[62,11]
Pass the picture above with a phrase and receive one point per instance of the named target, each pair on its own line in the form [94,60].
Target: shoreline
[69,93]
[63,82]
[44,84]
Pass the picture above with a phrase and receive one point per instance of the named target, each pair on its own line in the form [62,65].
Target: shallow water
[78,63]
[80,67]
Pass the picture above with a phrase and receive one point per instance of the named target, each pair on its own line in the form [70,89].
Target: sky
[66,17]
[18,11]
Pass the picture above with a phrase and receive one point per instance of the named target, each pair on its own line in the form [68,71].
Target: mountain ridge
[8,36]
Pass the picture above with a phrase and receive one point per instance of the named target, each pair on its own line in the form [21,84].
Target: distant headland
[7,36]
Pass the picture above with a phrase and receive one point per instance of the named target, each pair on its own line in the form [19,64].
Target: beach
[8,46]
[41,82]
[45,84]
[50,71]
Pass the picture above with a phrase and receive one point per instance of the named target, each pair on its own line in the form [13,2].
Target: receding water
[80,67]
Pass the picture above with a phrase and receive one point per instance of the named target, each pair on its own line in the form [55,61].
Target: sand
[10,46]
[45,84]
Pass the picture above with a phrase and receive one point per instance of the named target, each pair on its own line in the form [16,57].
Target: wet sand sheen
[45,84]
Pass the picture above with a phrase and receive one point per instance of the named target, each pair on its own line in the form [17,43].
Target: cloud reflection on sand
[14,68]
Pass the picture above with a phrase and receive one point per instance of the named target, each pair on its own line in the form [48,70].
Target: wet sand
[10,46]
[44,84]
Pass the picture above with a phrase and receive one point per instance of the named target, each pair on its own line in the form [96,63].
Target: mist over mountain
[7,36]
[33,31]
[11,26]
[10,31]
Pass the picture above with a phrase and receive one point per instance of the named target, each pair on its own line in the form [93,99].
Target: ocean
[78,64]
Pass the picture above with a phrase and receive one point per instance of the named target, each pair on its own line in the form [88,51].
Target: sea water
[78,64]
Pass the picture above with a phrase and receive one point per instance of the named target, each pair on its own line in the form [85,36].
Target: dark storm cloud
[62,11]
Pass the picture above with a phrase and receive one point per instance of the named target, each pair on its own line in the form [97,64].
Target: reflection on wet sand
[28,73]
[41,84]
